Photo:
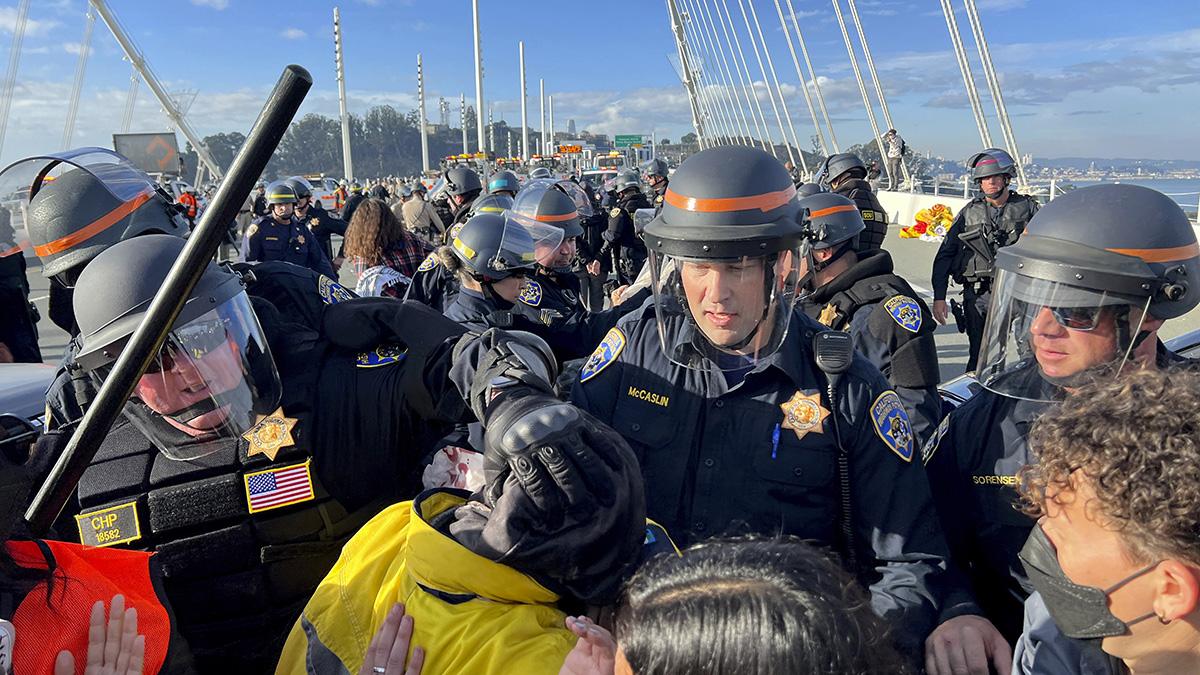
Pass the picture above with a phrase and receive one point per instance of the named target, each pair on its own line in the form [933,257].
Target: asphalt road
[913,259]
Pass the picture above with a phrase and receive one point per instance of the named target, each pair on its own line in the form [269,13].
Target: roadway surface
[913,259]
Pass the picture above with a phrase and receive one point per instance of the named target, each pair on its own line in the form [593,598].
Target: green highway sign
[627,140]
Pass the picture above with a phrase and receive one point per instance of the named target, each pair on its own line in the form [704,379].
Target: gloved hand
[563,500]
[486,363]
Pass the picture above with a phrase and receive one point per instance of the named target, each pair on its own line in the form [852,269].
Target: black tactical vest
[243,541]
[985,230]
[874,216]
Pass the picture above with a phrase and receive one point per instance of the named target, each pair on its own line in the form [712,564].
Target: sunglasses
[193,341]
[1077,318]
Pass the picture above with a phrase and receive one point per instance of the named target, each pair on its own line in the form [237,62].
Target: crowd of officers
[580,377]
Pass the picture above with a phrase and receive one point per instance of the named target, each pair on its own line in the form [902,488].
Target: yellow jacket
[471,615]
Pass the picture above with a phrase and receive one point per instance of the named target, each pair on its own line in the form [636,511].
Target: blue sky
[1100,78]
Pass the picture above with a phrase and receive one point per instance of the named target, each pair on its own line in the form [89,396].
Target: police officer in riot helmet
[858,292]
[282,236]
[18,331]
[622,242]
[491,255]
[1080,297]
[504,182]
[260,200]
[462,187]
[550,296]
[318,221]
[540,172]
[845,174]
[253,446]
[357,195]
[720,368]
[655,172]
[994,219]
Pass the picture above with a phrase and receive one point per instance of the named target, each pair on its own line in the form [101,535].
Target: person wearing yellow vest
[561,518]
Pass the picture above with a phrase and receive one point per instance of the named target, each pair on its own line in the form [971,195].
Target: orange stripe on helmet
[11,250]
[764,202]
[92,229]
[840,208]
[1161,255]
[548,218]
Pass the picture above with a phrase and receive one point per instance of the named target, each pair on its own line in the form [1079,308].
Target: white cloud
[215,4]
[33,27]
[293,34]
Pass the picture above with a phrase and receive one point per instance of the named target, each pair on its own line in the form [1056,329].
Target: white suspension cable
[85,48]
[803,81]
[731,92]
[766,137]
[699,59]
[862,88]
[813,75]
[762,69]
[989,71]
[866,48]
[716,91]
[741,76]
[787,113]
[964,66]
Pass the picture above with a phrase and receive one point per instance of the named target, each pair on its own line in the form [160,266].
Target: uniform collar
[438,562]
[870,264]
[791,358]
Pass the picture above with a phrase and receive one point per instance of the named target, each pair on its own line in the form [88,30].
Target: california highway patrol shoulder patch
[607,352]
[428,263]
[531,293]
[892,425]
[332,292]
[905,311]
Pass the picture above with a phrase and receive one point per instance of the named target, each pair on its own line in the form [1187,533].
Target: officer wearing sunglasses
[1080,297]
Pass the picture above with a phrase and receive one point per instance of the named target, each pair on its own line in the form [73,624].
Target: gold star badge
[828,315]
[270,433]
[803,414]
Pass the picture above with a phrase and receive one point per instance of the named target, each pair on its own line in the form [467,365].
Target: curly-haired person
[1116,554]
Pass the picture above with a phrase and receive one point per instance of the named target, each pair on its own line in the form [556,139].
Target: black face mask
[1080,612]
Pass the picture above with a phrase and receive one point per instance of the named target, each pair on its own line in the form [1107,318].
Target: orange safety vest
[189,200]
[83,575]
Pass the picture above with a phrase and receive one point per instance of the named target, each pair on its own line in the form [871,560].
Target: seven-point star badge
[804,413]
[270,433]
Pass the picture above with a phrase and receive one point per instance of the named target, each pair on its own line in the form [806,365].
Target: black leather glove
[486,363]
[563,500]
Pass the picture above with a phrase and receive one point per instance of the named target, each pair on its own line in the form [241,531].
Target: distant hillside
[1116,164]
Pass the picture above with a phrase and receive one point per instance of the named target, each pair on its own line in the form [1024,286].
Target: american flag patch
[273,488]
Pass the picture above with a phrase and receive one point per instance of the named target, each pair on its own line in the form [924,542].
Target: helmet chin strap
[809,281]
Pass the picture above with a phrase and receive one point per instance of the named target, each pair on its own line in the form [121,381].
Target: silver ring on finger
[379,669]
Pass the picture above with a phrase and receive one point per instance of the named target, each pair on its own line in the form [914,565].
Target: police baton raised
[143,346]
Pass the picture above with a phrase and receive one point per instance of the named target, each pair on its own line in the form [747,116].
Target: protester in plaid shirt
[384,255]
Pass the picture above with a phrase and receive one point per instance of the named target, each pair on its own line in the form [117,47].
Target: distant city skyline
[1081,79]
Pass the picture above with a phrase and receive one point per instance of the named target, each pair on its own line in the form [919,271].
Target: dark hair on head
[1136,439]
[373,229]
[751,606]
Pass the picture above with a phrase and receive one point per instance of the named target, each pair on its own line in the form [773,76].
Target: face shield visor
[128,187]
[578,195]
[723,314]
[438,192]
[209,384]
[526,241]
[1042,335]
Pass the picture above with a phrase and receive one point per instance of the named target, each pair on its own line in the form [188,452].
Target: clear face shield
[208,385]
[1041,333]
[724,314]
[526,241]
[128,185]
[578,195]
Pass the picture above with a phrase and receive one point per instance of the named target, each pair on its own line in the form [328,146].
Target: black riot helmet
[626,180]
[300,186]
[808,189]
[504,181]
[831,222]
[730,213]
[214,375]
[654,167]
[544,201]
[462,180]
[1106,258]
[991,162]
[843,162]
[493,246]
[80,202]
[493,203]
[281,192]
